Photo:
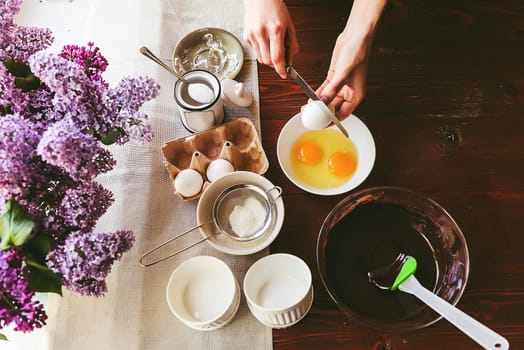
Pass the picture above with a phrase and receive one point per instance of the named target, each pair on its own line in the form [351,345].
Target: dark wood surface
[445,104]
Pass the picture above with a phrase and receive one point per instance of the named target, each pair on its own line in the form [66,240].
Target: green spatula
[400,274]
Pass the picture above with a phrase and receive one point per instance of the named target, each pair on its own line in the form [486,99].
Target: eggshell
[313,116]
[218,168]
[188,182]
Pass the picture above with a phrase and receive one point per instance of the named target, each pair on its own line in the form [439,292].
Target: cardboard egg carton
[236,141]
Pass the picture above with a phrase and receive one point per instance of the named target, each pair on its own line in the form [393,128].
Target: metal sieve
[250,205]
[242,212]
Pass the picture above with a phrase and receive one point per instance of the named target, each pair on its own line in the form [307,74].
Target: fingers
[259,41]
[335,83]
[344,99]
[269,30]
[277,53]
[345,110]
[251,41]
[265,53]
[291,44]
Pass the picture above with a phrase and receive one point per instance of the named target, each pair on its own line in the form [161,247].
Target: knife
[312,95]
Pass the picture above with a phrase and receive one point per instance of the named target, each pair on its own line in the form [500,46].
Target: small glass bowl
[446,243]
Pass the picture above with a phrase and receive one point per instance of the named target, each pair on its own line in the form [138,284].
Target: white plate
[358,133]
[221,241]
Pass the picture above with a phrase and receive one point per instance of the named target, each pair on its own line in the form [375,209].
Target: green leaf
[18,69]
[43,279]
[27,83]
[37,248]
[24,78]
[5,110]
[110,138]
[15,226]
[2,337]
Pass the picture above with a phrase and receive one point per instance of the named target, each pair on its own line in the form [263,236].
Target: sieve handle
[154,262]
[278,189]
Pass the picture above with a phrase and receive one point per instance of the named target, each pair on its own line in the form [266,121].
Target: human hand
[269,30]
[345,84]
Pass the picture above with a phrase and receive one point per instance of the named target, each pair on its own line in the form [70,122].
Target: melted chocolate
[370,237]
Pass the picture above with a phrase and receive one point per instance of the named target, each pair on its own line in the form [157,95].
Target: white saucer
[358,133]
[221,241]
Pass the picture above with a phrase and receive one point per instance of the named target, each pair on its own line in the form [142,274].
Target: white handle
[487,338]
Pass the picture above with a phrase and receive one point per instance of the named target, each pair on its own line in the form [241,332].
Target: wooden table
[445,104]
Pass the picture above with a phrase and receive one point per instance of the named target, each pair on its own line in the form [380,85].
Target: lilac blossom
[126,98]
[16,304]
[19,160]
[17,43]
[79,210]
[84,260]
[12,99]
[93,106]
[8,9]
[89,160]
[131,93]
[92,61]
[40,109]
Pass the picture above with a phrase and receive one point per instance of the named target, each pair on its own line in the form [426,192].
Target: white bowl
[358,133]
[221,241]
[279,290]
[227,45]
[203,293]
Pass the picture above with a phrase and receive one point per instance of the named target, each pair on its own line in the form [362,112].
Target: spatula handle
[487,338]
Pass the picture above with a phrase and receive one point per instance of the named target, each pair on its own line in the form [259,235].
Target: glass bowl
[371,221]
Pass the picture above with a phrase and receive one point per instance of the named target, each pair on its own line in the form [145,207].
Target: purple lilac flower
[131,93]
[19,161]
[40,109]
[79,210]
[126,98]
[92,61]
[90,104]
[84,163]
[60,75]
[17,43]
[11,97]
[24,176]
[16,304]
[85,259]
[77,97]
[8,9]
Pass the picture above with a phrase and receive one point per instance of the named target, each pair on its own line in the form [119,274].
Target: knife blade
[312,95]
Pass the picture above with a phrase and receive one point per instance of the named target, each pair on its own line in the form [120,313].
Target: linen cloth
[134,313]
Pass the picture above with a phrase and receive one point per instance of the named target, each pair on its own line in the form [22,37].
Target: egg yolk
[309,153]
[341,164]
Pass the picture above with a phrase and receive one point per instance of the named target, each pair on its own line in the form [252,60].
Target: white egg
[188,182]
[313,116]
[218,168]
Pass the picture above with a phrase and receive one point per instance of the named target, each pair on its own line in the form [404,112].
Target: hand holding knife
[312,95]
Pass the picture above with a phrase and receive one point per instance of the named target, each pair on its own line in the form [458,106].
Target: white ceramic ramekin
[203,293]
[279,290]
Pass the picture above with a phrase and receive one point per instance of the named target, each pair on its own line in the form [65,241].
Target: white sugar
[201,93]
[247,218]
